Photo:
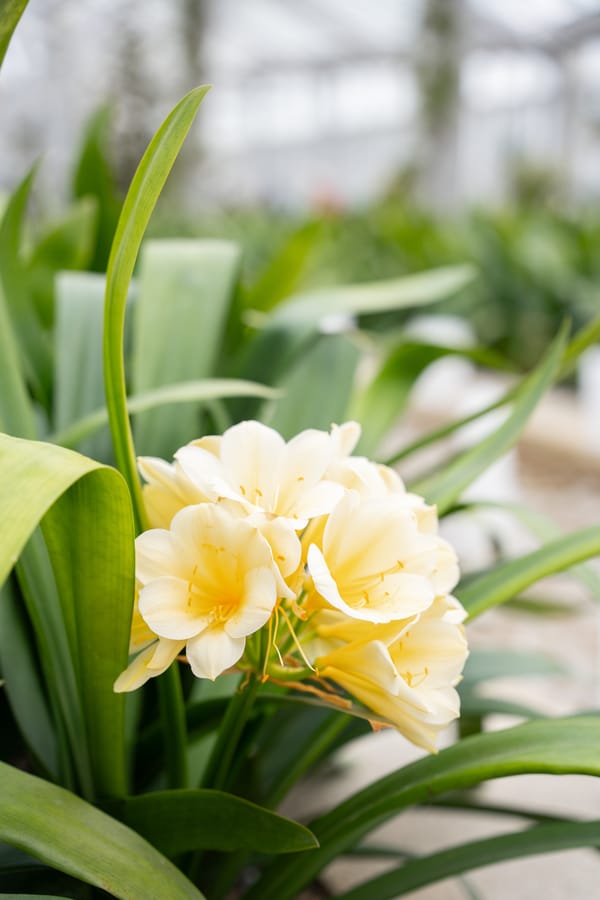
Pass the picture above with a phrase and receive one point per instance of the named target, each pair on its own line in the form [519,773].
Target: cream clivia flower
[207,584]
[374,563]
[257,469]
[404,671]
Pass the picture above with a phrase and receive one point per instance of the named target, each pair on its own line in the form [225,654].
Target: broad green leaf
[178,821]
[318,388]
[210,389]
[375,297]
[557,746]
[34,341]
[416,873]
[90,533]
[71,835]
[22,684]
[10,13]
[510,578]
[141,198]
[78,383]
[445,486]
[93,177]
[185,289]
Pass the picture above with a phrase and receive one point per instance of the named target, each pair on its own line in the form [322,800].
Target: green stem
[223,752]
[172,713]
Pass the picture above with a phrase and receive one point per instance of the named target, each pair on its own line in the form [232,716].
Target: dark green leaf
[69,834]
[178,821]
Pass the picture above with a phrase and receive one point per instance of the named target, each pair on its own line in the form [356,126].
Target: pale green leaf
[78,383]
[203,391]
[184,293]
[375,297]
[143,193]
[69,834]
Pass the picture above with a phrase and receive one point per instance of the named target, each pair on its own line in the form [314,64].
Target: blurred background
[324,103]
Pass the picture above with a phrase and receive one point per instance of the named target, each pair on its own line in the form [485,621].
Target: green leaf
[210,389]
[10,13]
[93,177]
[64,831]
[375,297]
[331,361]
[384,399]
[510,578]
[184,293]
[484,665]
[290,330]
[90,536]
[78,382]
[557,746]
[67,245]
[445,486]
[22,683]
[416,873]
[178,821]
[284,271]
[34,342]
[145,188]
[16,410]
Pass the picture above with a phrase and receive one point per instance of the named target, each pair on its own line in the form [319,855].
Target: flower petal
[164,605]
[214,651]
[260,595]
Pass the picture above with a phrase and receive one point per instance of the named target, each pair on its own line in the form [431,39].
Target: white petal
[345,437]
[157,554]
[213,651]
[165,608]
[303,464]
[206,472]
[283,541]
[319,500]
[260,595]
[251,454]
[148,664]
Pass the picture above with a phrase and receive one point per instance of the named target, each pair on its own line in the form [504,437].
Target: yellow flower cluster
[300,561]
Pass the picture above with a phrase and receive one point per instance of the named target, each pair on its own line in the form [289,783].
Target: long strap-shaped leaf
[10,13]
[429,869]
[145,188]
[445,487]
[71,835]
[553,746]
[90,538]
[170,394]
[508,579]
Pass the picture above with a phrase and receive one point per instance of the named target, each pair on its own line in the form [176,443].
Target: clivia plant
[180,649]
